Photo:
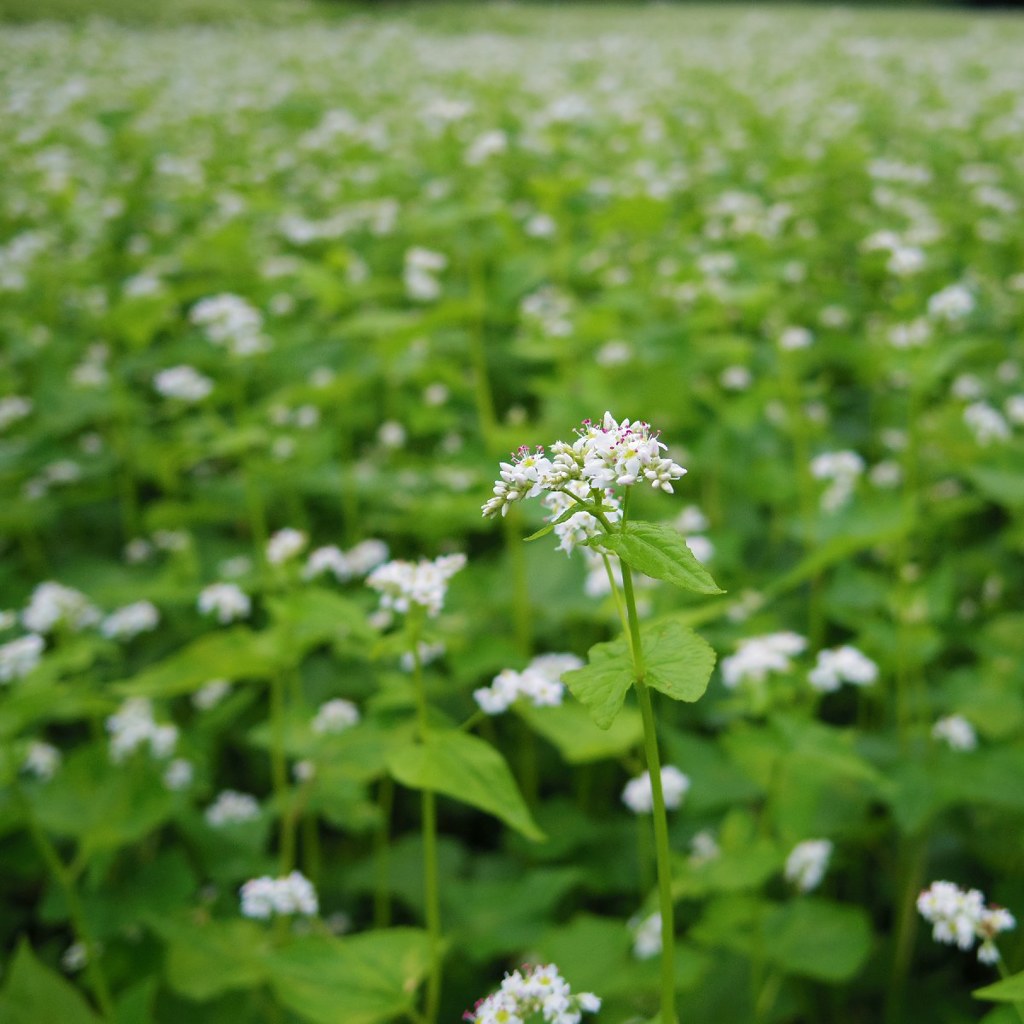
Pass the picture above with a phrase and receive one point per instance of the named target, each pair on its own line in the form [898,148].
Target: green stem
[914,852]
[66,880]
[279,775]
[382,889]
[661,843]
[431,891]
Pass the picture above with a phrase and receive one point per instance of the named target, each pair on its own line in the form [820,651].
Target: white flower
[423,584]
[130,621]
[41,760]
[366,556]
[284,545]
[736,378]
[603,456]
[806,863]
[20,657]
[227,600]
[841,665]
[391,435]
[539,990]
[232,808]
[266,897]
[704,848]
[960,917]
[758,656]
[74,958]
[335,716]
[952,304]
[184,383]
[211,694]
[133,725]
[639,798]
[230,321]
[540,683]
[14,408]
[793,338]
[956,731]
[986,423]
[647,939]
[178,774]
[421,266]
[52,605]
[842,468]
[485,146]
[327,559]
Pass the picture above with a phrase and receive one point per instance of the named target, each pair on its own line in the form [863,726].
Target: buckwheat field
[512,514]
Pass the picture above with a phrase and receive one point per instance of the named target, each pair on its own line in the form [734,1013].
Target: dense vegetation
[276,302]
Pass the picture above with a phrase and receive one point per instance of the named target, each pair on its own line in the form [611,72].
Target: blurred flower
[403,585]
[133,725]
[184,383]
[52,605]
[41,760]
[335,716]
[228,601]
[267,897]
[20,657]
[960,917]
[639,798]
[841,665]
[807,862]
[986,423]
[952,304]
[285,544]
[232,808]
[757,656]
[956,732]
[178,774]
[210,694]
[130,621]
[647,940]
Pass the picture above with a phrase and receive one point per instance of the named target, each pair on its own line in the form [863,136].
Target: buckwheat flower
[841,665]
[603,456]
[211,694]
[484,146]
[41,760]
[807,862]
[329,559]
[133,726]
[647,942]
[986,423]
[614,353]
[178,774]
[226,600]
[335,716]
[423,584]
[232,808]
[575,531]
[267,897]
[421,266]
[229,321]
[843,469]
[285,544]
[74,958]
[905,260]
[960,917]
[184,383]
[758,656]
[366,556]
[793,338]
[391,435]
[52,605]
[1014,407]
[639,798]
[910,335]
[736,378]
[704,848]
[952,304]
[20,657]
[426,652]
[535,992]
[130,621]
[956,732]
[14,408]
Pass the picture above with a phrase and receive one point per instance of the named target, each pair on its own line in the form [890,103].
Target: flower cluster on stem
[960,917]
[534,990]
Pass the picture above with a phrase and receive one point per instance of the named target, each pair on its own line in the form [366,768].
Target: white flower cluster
[540,683]
[955,731]
[806,863]
[424,583]
[639,798]
[757,656]
[184,383]
[647,941]
[230,321]
[41,760]
[211,694]
[953,304]
[960,917]
[52,605]
[986,423]
[266,897]
[232,808]
[343,565]
[842,469]
[226,600]
[841,665]
[579,528]
[535,990]
[14,408]
[131,620]
[285,544]
[335,716]
[133,725]
[19,657]
[420,273]
[603,455]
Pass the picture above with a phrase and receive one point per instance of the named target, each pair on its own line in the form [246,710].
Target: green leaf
[577,738]
[364,979]
[677,661]
[34,993]
[1009,990]
[660,552]
[601,685]
[818,939]
[204,960]
[467,769]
